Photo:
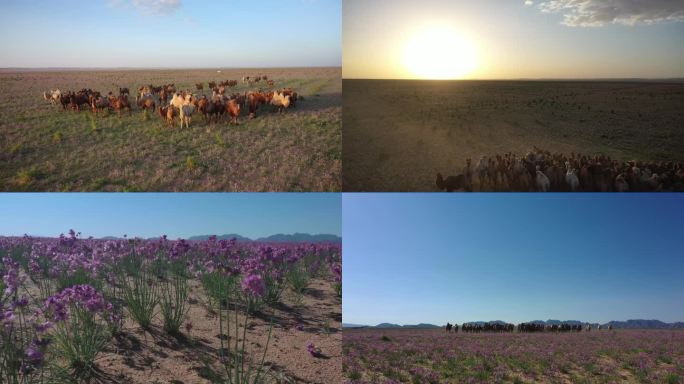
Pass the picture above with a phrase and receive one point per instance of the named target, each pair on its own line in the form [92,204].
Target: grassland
[432,356]
[43,148]
[398,134]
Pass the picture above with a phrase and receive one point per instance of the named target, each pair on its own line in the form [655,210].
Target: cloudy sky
[170,33]
[519,38]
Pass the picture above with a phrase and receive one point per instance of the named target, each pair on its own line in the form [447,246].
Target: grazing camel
[119,103]
[621,184]
[482,171]
[233,110]
[186,112]
[53,96]
[170,115]
[99,104]
[571,177]
[543,182]
[451,183]
[281,101]
[596,173]
[468,173]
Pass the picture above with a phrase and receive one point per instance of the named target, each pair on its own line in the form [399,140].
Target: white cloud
[595,13]
[529,2]
[149,7]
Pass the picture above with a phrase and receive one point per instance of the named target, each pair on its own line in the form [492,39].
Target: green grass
[43,148]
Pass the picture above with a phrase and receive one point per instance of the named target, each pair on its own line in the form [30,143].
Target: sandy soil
[398,134]
[138,356]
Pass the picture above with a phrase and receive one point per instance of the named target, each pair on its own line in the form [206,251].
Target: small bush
[174,306]
[141,296]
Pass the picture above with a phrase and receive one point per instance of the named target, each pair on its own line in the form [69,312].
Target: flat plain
[399,133]
[394,356]
[43,148]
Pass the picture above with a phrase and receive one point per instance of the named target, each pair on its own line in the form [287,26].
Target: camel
[571,177]
[543,182]
[451,183]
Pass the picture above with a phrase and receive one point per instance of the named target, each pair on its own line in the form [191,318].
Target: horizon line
[528,79]
[164,68]
[529,321]
[185,238]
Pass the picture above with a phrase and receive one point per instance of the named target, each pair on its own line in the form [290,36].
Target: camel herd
[543,171]
[522,327]
[171,103]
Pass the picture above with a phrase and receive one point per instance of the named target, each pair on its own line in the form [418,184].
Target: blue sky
[170,33]
[411,258]
[522,39]
[174,214]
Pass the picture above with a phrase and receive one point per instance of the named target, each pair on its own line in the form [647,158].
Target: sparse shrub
[140,293]
[274,287]
[79,276]
[25,177]
[354,375]
[22,348]
[174,305]
[237,368]
[298,280]
[93,123]
[190,163]
[81,317]
[218,288]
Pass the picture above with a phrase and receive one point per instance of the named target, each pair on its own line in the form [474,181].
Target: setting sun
[439,52]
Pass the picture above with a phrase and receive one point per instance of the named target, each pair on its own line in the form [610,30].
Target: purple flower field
[389,356]
[76,310]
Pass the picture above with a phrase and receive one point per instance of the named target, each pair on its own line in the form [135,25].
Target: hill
[277,238]
[629,324]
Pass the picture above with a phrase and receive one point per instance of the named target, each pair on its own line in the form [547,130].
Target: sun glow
[440,53]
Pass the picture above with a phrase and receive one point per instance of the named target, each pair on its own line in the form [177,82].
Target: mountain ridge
[627,324]
[275,238]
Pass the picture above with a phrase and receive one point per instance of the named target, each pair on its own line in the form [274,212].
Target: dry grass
[399,134]
[43,148]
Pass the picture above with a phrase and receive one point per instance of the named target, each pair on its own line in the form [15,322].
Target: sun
[440,53]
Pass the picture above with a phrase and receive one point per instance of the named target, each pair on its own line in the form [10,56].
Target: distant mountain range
[629,324]
[278,238]
[648,324]
[390,326]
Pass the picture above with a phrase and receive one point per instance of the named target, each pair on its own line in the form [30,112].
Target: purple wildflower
[11,277]
[82,296]
[33,354]
[253,285]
